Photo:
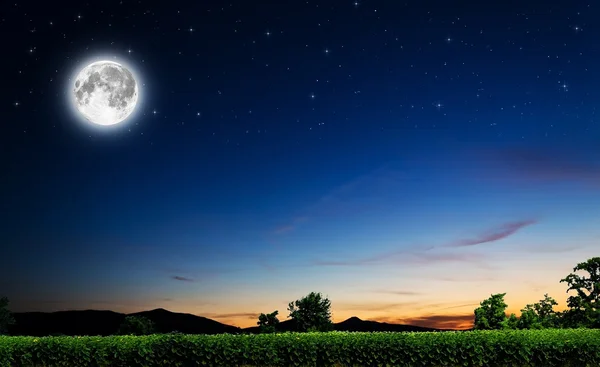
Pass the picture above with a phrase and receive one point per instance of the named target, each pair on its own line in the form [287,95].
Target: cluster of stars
[397,58]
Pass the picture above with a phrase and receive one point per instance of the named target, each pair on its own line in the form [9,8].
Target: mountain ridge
[106,322]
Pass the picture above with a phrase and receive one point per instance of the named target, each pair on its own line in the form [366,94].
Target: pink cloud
[497,234]
[541,165]
[427,256]
[405,257]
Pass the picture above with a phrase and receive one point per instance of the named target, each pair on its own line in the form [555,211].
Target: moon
[105,93]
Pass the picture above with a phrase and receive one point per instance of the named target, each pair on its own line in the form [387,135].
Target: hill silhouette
[352,324]
[93,322]
[356,324]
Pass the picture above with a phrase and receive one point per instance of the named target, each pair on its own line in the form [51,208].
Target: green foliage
[544,309]
[529,319]
[584,306]
[268,323]
[6,317]
[136,325]
[523,348]
[511,322]
[572,318]
[491,314]
[312,313]
[539,315]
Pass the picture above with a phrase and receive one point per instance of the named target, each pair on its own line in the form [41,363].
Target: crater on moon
[105,93]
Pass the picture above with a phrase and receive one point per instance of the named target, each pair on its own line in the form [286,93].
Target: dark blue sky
[374,150]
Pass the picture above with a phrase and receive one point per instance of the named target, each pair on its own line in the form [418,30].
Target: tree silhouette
[545,312]
[136,325]
[6,317]
[584,307]
[491,314]
[311,313]
[268,323]
[539,315]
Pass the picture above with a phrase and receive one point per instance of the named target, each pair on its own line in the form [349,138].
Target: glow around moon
[105,93]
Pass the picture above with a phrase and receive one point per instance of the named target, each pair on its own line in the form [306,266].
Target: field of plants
[550,347]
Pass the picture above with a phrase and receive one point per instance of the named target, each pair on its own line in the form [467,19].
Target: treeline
[583,306]
[313,312]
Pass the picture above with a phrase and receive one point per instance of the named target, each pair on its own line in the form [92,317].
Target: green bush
[549,347]
[136,325]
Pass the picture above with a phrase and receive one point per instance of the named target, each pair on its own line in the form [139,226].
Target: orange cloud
[398,293]
[238,315]
[459,321]
[376,306]
[474,305]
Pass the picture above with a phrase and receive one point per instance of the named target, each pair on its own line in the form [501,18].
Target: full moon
[105,93]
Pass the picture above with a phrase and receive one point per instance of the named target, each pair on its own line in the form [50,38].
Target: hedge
[551,347]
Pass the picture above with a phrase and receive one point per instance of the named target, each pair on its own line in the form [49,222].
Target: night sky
[405,158]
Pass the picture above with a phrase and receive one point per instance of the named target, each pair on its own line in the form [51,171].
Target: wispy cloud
[183,279]
[553,249]
[397,293]
[376,306]
[540,164]
[473,304]
[479,278]
[245,315]
[214,270]
[284,229]
[505,230]
[290,226]
[360,261]
[361,194]
[427,258]
[425,255]
[406,257]
[459,321]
